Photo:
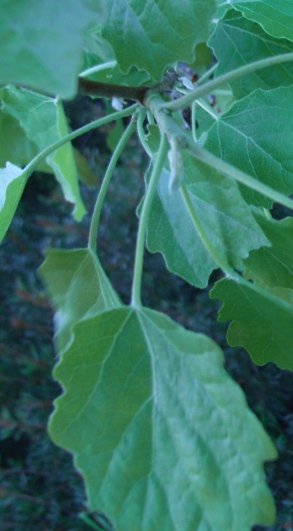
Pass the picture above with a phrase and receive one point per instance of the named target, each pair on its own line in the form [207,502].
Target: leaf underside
[162,436]
[78,288]
[135,29]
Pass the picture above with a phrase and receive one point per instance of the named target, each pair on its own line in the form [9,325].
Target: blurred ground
[39,489]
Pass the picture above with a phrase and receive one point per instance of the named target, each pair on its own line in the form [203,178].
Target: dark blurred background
[39,488]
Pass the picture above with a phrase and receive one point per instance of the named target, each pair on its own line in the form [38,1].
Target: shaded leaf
[153,34]
[41,42]
[261,320]
[12,183]
[85,174]
[171,231]
[110,73]
[250,136]
[274,16]
[273,265]
[161,434]
[78,288]
[237,42]
[204,225]
[15,146]
[44,122]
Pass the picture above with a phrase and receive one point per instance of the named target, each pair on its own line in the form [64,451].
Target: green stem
[31,166]
[208,87]
[147,203]
[168,125]
[207,108]
[240,176]
[141,133]
[92,242]
[193,121]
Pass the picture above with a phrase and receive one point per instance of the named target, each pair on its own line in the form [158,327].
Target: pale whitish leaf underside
[161,434]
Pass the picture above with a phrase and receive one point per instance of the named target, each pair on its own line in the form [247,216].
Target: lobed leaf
[161,434]
[41,42]
[78,288]
[12,183]
[209,225]
[274,16]
[250,136]
[153,34]
[261,318]
[44,122]
[171,231]
[237,42]
[273,265]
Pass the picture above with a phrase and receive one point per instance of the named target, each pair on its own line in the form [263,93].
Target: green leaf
[110,73]
[274,16]
[41,42]
[261,320]
[273,265]
[15,146]
[153,34]
[171,231]
[44,122]
[250,137]
[237,42]
[12,183]
[78,288]
[204,225]
[161,434]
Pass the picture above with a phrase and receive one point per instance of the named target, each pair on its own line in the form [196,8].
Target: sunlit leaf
[237,42]
[274,16]
[261,320]
[12,183]
[44,122]
[78,288]
[256,135]
[161,434]
[153,34]
[41,42]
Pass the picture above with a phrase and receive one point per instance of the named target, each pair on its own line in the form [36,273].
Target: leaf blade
[205,225]
[249,137]
[275,17]
[146,420]
[67,275]
[273,265]
[238,41]
[44,51]
[12,183]
[134,37]
[44,122]
[261,320]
